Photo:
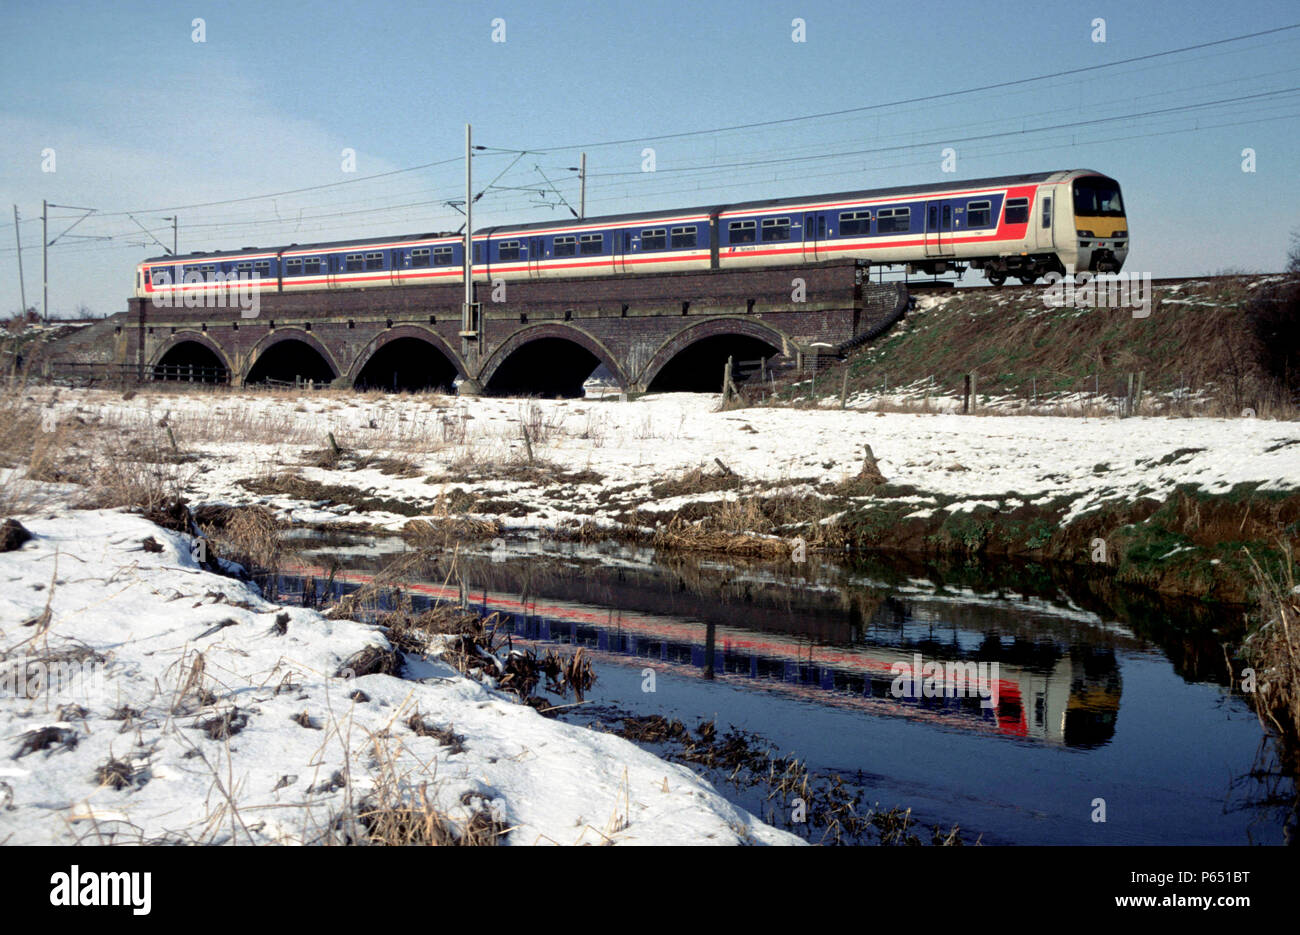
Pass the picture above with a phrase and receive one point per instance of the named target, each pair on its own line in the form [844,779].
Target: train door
[621,247]
[536,253]
[1046,221]
[397,267]
[938,229]
[814,237]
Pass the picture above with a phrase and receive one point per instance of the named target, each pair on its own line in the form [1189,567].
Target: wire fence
[92,373]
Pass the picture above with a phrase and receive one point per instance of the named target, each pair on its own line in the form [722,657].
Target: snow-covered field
[101,715]
[471,444]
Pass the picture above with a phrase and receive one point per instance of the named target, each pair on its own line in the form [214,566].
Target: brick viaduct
[664,331]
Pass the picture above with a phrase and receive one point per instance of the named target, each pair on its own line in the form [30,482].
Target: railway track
[921,287]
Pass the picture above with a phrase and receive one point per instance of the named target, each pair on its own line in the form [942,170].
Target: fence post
[1128,398]
[726,381]
[965,395]
[844,390]
[1137,396]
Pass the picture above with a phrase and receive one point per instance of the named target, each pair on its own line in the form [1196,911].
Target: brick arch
[288,334]
[405,331]
[746,327]
[198,337]
[551,330]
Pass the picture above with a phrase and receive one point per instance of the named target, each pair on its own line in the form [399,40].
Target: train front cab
[1100,226]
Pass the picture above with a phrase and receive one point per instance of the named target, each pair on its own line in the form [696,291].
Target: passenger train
[1021,226]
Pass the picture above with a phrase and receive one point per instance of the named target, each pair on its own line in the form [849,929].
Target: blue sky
[142,119]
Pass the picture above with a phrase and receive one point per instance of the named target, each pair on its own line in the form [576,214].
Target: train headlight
[1121,233]
[1085,233]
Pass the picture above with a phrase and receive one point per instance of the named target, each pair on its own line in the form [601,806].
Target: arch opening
[407,365]
[550,367]
[290,361]
[698,367]
[191,362]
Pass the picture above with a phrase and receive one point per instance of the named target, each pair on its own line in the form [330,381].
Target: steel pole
[22,288]
[45,260]
[466,322]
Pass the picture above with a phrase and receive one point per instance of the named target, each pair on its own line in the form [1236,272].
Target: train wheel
[997,279]
[1028,280]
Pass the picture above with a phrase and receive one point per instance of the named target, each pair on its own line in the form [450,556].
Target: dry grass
[760,522]
[124,476]
[707,536]
[834,812]
[402,428]
[35,443]
[249,535]
[419,632]
[1211,348]
[447,528]
[1273,650]
[282,483]
[400,813]
[695,481]
[45,443]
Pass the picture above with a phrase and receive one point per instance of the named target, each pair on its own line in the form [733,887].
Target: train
[1022,226]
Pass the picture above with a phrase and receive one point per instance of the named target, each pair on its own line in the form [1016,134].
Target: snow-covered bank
[120,652]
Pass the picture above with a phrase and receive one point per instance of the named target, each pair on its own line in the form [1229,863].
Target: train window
[311,265]
[741,231]
[293,266]
[353,262]
[776,229]
[245,267]
[442,256]
[893,220]
[508,250]
[656,239]
[683,236]
[262,269]
[1017,211]
[1097,198]
[979,214]
[478,253]
[161,277]
[1047,212]
[591,243]
[565,246]
[853,223]
[420,256]
[374,261]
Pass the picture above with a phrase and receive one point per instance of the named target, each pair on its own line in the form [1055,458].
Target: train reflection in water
[1071,697]
[1048,690]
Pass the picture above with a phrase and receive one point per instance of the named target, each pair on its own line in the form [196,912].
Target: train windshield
[1097,198]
